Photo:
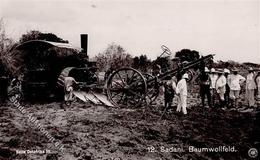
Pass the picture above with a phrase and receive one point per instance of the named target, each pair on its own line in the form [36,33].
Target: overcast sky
[228,28]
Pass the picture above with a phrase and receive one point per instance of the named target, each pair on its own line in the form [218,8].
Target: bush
[114,56]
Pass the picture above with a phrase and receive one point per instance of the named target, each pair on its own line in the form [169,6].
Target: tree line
[115,56]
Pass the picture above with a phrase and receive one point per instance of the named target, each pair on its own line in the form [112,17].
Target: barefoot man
[68,87]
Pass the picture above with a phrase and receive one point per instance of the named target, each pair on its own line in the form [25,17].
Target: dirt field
[97,132]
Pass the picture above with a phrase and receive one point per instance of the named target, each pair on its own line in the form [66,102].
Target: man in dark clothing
[227,99]
[169,91]
[205,87]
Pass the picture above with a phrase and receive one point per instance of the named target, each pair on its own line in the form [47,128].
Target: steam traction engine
[41,64]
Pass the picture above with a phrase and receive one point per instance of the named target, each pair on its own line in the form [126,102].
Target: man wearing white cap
[250,88]
[213,78]
[234,81]
[221,87]
[226,70]
[181,91]
[205,87]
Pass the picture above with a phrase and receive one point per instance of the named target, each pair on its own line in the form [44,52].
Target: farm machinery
[45,64]
[129,87]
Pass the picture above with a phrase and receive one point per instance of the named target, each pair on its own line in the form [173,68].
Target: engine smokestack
[84,43]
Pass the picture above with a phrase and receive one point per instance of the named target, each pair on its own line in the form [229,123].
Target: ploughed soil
[89,132]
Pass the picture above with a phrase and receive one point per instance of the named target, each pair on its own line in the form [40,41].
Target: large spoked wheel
[126,87]
[152,88]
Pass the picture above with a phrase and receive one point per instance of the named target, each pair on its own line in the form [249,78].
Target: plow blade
[103,99]
[95,98]
[84,96]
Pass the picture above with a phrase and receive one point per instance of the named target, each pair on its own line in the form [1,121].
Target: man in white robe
[221,87]
[181,91]
[250,88]
[234,81]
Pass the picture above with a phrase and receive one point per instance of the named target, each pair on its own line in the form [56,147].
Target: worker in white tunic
[250,88]
[258,84]
[234,82]
[221,87]
[213,77]
[68,87]
[181,91]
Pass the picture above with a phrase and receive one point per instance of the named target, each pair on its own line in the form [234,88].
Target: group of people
[222,88]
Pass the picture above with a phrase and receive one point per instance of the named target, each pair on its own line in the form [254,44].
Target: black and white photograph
[129,79]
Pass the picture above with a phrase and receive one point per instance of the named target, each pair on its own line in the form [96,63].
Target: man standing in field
[181,91]
[227,99]
[205,86]
[213,78]
[234,82]
[221,87]
[250,88]
[68,88]
[169,88]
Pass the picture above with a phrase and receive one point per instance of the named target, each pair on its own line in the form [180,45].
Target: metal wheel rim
[123,88]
